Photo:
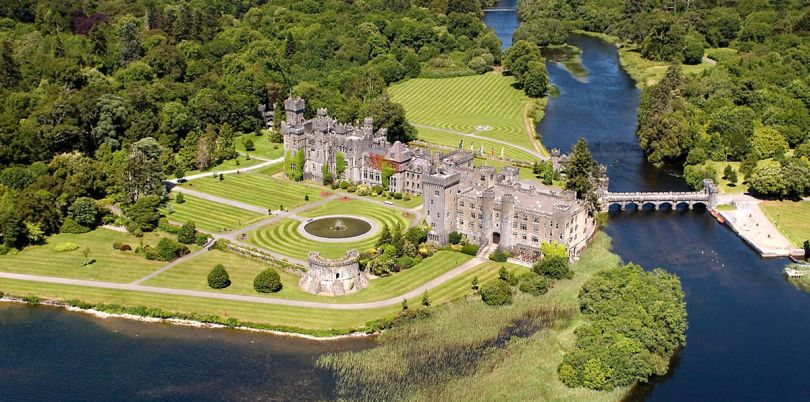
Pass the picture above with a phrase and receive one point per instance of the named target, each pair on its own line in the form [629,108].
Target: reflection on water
[51,354]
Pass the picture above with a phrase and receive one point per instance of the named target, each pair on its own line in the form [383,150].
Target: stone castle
[491,209]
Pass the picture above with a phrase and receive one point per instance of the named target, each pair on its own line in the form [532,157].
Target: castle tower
[293,128]
[505,226]
[295,111]
[439,201]
[487,216]
[368,127]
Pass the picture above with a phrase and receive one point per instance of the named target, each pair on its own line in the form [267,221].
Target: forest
[751,107]
[104,99]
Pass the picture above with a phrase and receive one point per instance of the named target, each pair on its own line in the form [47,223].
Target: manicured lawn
[461,104]
[110,266]
[452,140]
[283,236]
[460,287]
[237,163]
[792,219]
[208,215]
[288,316]
[263,148]
[193,274]
[257,189]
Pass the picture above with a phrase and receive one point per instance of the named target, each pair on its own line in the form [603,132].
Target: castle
[491,209]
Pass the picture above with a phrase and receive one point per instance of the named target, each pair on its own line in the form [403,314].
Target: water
[747,324]
[503,21]
[50,354]
[746,340]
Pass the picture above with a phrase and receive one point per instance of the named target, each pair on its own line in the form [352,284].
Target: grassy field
[792,219]
[283,236]
[110,266]
[295,317]
[460,287]
[452,354]
[208,215]
[237,163]
[257,189]
[263,148]
[192,274]
[452,140]
[462,103]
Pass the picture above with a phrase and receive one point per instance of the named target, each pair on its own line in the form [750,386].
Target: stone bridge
[707,197]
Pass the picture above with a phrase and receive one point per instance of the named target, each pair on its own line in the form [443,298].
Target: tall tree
[9,69]
[143,172]
[581,172]
[130,42]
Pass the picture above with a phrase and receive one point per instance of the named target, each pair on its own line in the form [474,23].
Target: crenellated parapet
[333,277]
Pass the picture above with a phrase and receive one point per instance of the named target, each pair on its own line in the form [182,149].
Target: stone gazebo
[333,277]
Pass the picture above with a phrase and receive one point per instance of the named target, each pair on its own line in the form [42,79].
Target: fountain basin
[338,227]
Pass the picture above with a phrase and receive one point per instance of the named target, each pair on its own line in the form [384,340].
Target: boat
[717,216]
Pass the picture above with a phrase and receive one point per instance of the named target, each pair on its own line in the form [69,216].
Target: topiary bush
[534,284]
[267,281]
[65,246]
[496,293]
[218,277]
[470,249]
[166,250]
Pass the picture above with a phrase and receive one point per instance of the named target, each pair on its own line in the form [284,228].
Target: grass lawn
[257,189]
[725,186]
[283,236]
[792,219]
[647,72]
[208,215]
[193,274]
[263,148]
[288,316]
[413,201]
[462,103]
[110,266]
[452,140]
[460,287]
[237,163]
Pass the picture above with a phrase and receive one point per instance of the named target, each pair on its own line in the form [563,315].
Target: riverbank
[748,221]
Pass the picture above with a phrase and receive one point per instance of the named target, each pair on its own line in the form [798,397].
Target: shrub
[125,247]
[534,284]
[187,233]
[351,189]
[363,190]
[499,256]
[2,294]
[306,197]
[200,239]
[405,262]
[406,197]
[166,250]
[397,196]
[65,246]
[144,212]
[179,198]
[555,267]
[179,172]
[267,281]
[377,189]
[166,226]
[454,237]
[71,226]
[117,245]
[344,184]
[134,229]
[84,211]
[496,293]
[335,186]
[249,146]
[470,249]
[218,277]
[508,277]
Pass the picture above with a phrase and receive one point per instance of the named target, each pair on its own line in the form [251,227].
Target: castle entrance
[496,237]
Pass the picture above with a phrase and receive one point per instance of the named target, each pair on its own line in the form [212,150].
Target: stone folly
[333,277]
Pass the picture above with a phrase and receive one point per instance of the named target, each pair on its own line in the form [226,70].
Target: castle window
[523,237]
[437,192]
[534,239]
[461,204]
[536,220]
[431,202]
[523,227]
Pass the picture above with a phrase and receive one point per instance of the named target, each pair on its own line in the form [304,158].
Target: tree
[385,236]
[144,212]
[84,212]
[496,293]
[425,299]
[130,42]
[9,69]
[534,284]
[290,46]
[535,81]
[404,304]
[340,165]
[179,198]
[249,145]
[143,173]
[767,180]
[391,116]
[693,48]
[581,171]
[167,250]
[267,281]
[474,283]
[732,177]
[218,277]
[454,237]
[187,233]
[553,266]
[735,125]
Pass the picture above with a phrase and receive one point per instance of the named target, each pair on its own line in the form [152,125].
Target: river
[747,324]
[746,339]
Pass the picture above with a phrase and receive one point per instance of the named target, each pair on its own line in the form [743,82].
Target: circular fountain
[338,227]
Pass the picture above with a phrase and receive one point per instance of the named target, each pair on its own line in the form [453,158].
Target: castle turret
[368,127]
[295,111]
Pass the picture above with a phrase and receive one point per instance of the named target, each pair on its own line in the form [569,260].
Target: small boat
[717,216]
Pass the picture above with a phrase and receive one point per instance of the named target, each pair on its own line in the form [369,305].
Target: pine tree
[291,47]
[385,236]
[9,69]
[581,171]
[425,299]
